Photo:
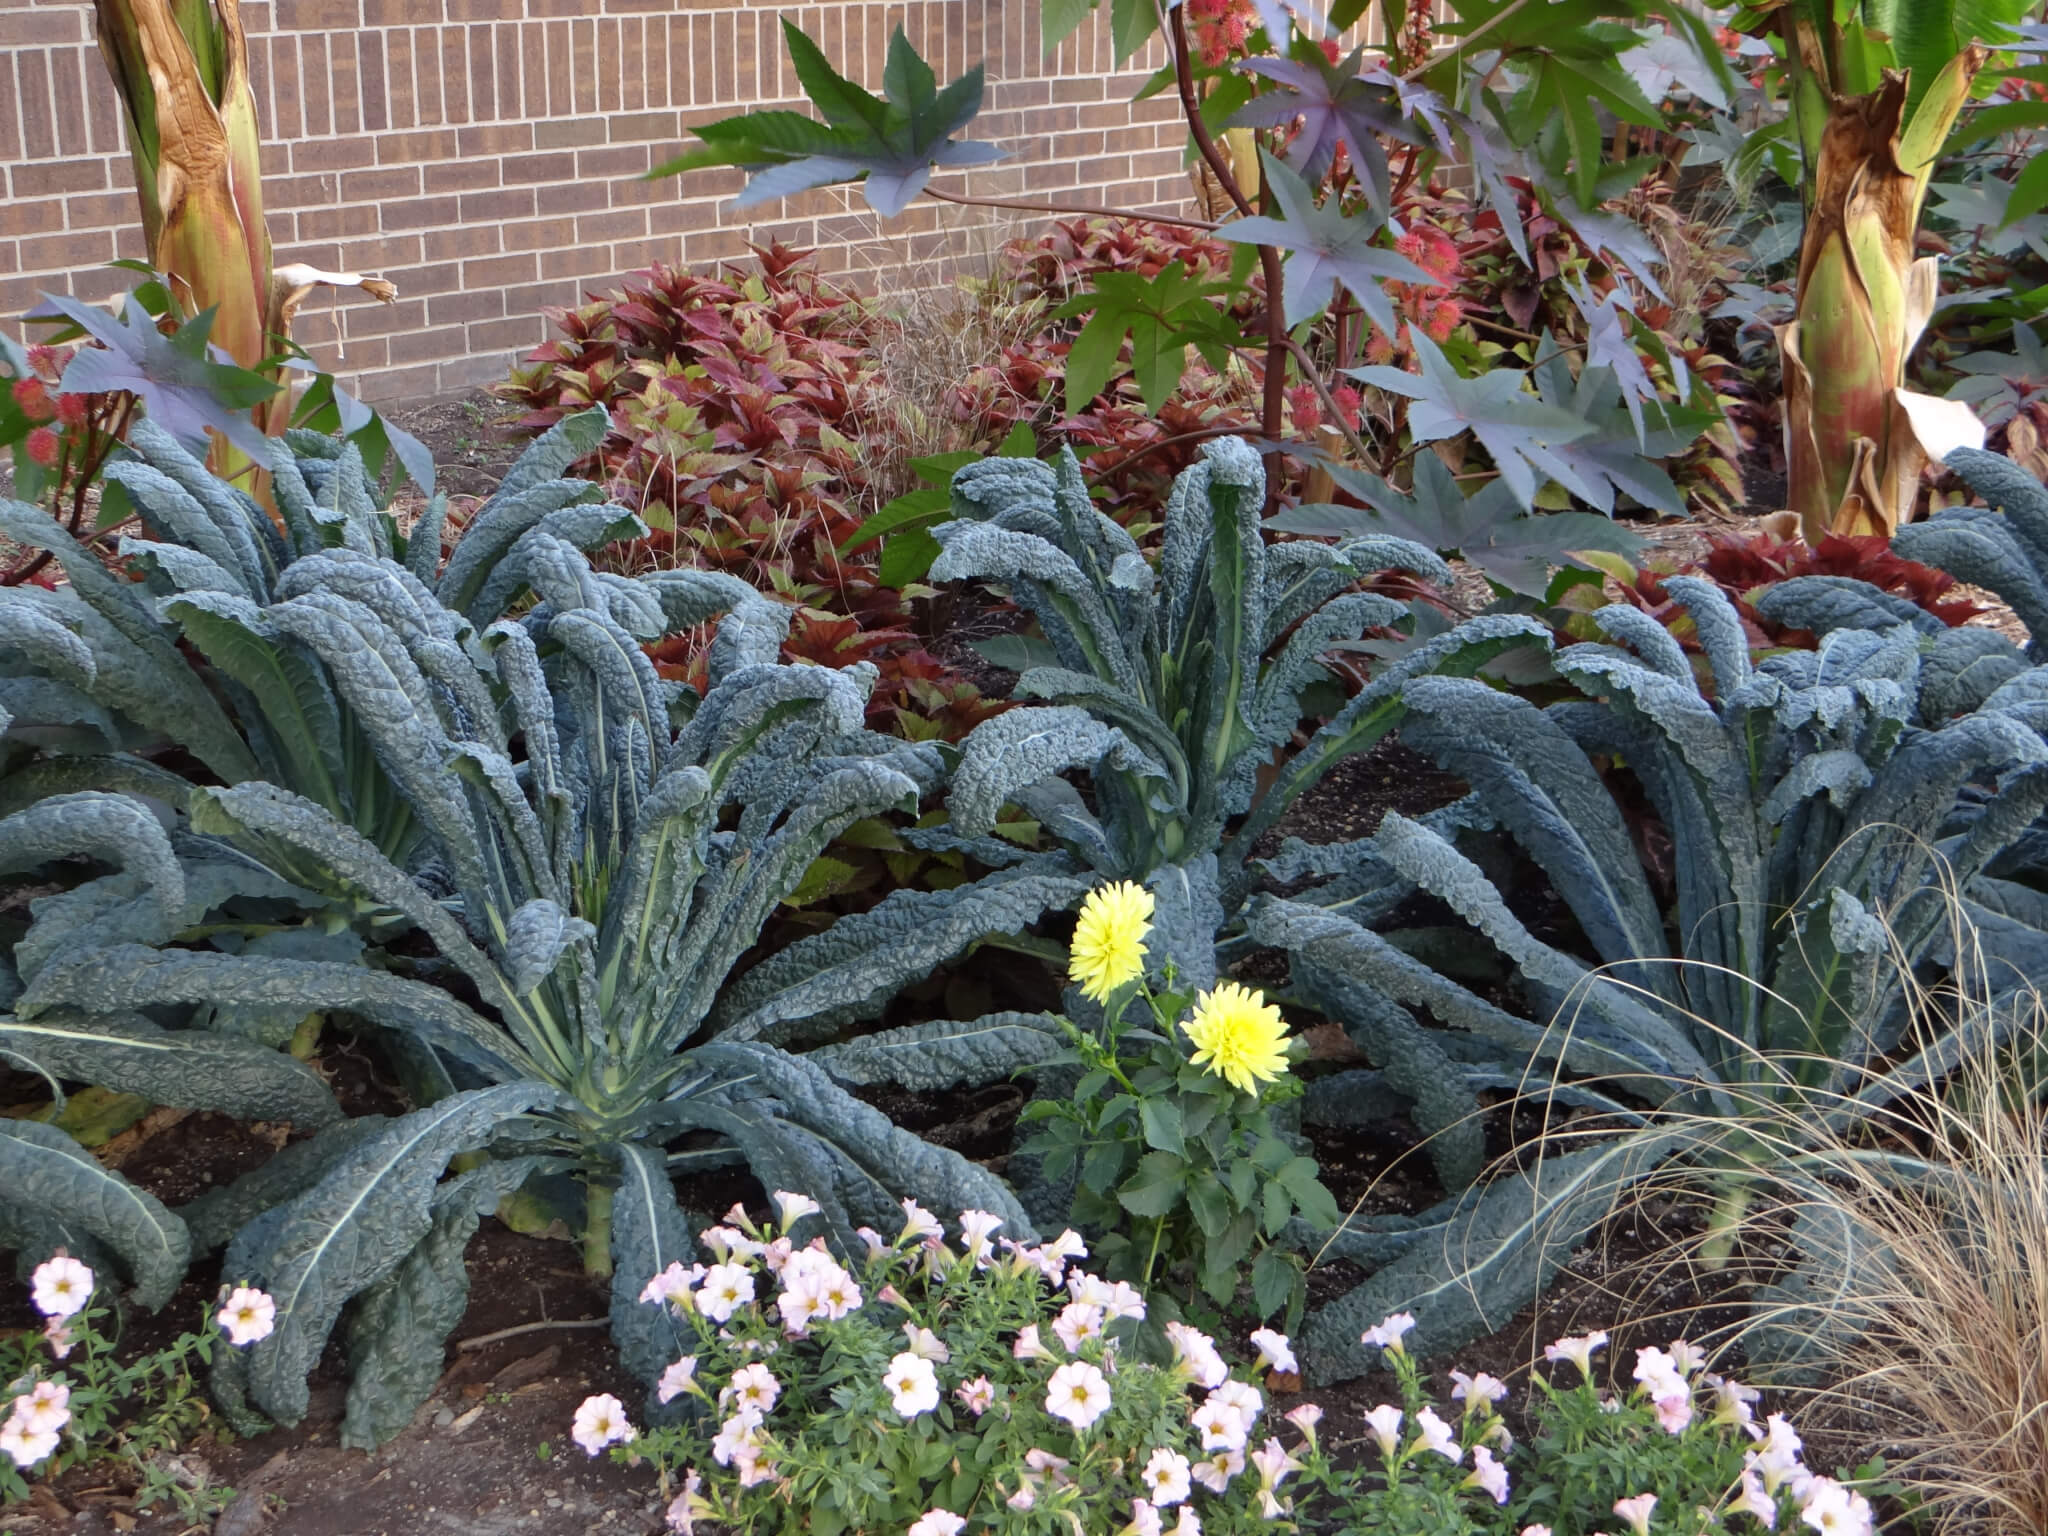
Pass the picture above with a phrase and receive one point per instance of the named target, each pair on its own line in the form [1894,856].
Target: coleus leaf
[1160,316]
[1517,428]
[184,383]
[893,142]
[1327,246]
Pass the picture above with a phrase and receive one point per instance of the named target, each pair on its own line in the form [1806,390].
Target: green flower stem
[597,1229]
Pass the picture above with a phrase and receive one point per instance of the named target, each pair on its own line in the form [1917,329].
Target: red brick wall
[485,154]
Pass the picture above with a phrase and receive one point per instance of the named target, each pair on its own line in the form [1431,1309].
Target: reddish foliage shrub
[1747,566]
[743,421]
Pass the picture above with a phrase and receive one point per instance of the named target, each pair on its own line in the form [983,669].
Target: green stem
[597,1229]
[307,1036]
[1158,1232]
[1725,1225]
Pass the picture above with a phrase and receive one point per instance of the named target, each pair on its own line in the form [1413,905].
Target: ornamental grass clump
[1931,1322]
[1169,1135]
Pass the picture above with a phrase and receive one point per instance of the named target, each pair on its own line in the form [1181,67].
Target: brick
[46,24]
[380,185]
[531,235]
[318,15]
[483,80]
[38,112]
[496,139]
[287,117]
[586,66]
[317,97]
[98,210]
[420,213]
[503,335]
[57,253]
[571,197]
[561,97]
[67,83]
[454,74]
[616,160]
[51,178]
[532,298]
[335,223]
[370,78]
[632,45]
[507,70]
[460,176]
[426,346]
[458,244]
[618,224]
[644,127]
[496,207]
[521,268]
[637,255]
[441,278]
[577,261]
[524,170]
[460,308]
[569,133]
[400,384]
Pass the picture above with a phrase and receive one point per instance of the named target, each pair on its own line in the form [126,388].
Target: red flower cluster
[1218,28]
[1435,306]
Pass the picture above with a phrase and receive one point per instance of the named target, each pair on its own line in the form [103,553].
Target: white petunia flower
[1196,1352]
[1275,1352]
[1477,1392]
[1215,1470]
[601,1421]
[46,1409]
[1078,1393]
[1389,1332]
[753,1386]
[795,1208]
[726,1288]
[919,1224]
[1385,1424]
[1636,1512]
[1166,1477]
[1577,1348]
[913,1384]
[1834,1510]
[1079,1323]
[936,1522]
[676,1379]
[1488,1475]
[62,1286]
[249,1315]
[1437,1436]
[926,1343]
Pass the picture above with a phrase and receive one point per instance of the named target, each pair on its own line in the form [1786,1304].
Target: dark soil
[469,438]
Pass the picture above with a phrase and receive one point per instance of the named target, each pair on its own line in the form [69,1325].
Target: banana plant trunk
[1852,453]
[181,68]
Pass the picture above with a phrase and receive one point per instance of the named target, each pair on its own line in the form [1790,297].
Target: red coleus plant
[745,432]
[1747,566]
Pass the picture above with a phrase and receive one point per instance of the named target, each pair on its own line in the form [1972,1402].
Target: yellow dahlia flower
[1109,940]
[1238,1036]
